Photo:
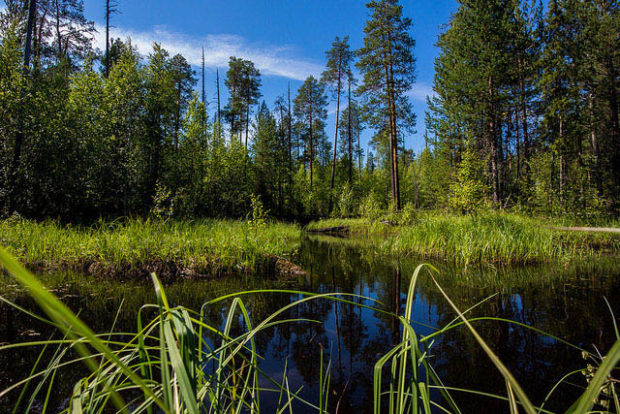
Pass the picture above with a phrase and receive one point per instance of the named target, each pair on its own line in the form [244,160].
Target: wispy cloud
[420,91]
[270,60]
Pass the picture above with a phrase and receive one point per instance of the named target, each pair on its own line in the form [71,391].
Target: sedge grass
[200,246]
[496,237]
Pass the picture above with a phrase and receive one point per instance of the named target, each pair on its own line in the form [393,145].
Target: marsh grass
[496,237]
[205,246]
[169,366]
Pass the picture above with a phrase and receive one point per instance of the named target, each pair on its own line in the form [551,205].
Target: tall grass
[169,366]
[198,246]
[485,237]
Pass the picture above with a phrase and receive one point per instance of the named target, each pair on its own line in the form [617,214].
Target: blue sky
[286,39]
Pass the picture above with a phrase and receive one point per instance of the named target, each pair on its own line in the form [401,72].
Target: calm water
[564,301]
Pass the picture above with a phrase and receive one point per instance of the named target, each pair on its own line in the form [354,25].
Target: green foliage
[259,214]
[370,208]
[344,202]
[468,191]
[408,216]
[542,112]
[243,81]
[163,207]
[517,77]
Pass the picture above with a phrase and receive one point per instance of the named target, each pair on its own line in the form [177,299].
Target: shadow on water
[564,301]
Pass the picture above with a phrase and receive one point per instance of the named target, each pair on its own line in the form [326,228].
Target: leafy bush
[408,216]
[344,202]
[467,193]
[259,214]
[370,208]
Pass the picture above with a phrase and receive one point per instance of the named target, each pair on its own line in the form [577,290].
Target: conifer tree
[388,68]
[339,59]
[311,111]
[243,83]
[184,81]
[111,7]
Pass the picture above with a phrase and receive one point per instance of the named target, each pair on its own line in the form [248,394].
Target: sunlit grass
[205,245]
[486,237]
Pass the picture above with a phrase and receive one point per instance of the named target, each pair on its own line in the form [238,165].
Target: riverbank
[493,237]
[134,248]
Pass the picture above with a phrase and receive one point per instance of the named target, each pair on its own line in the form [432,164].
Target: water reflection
[566,302]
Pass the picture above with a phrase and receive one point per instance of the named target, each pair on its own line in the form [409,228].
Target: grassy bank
[487,237]
[136,247]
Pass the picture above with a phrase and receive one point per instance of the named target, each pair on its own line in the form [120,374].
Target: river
[564,300]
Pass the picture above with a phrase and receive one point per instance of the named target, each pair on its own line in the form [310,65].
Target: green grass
[161,368]
[486,237]
[205,246]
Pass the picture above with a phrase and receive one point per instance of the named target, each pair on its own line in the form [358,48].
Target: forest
[524,117]
[326,251]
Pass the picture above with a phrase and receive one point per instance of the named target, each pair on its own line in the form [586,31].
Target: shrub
[344,202]
[370,208]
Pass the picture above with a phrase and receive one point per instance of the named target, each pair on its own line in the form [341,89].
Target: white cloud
[420,91]
[270,60]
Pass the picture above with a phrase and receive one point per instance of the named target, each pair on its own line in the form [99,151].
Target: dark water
[565,301]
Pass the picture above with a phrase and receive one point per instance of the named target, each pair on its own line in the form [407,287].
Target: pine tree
[72,31]
[467,192]
[243,83]
[311,111]
[339,59]
[474,78]
[351,126]
[184,80]
[111,7]
[388,67]
[268,162]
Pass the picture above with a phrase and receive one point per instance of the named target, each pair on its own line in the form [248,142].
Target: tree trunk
[501,167]
[219,110]
[350,134]
[333,174]
[311,149]
[247,115]
[204,92]
[107,38]
[393,130]
[290,130]
[59,39]
[492,139]
[614,121]
[561,181]
[526,139]
[595,149]
[19,134]
[177,120]
[390,141]
[517,144]
[35,44]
